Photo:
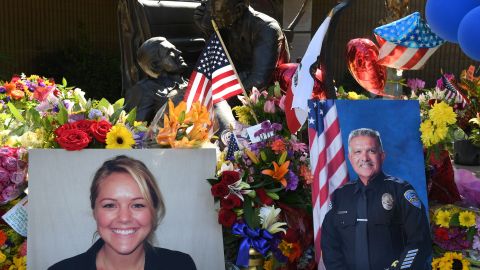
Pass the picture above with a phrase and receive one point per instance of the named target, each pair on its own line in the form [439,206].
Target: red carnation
[84,125]
[100,129]
[264,198]
[62,128]
[219,190]
[232,201]
[73,139]
[227,217]
[230,177]
[442,234]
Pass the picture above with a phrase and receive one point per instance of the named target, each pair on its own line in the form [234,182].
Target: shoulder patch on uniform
[394,179]
[412,198]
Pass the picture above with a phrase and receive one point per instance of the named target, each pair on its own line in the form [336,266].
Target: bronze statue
[396,9]
[254,40]
[163,64]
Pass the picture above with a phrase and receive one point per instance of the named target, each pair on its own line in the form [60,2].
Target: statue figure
[163,65]
[254,40]
[396,9]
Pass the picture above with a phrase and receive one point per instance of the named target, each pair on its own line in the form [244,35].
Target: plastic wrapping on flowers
[456,229]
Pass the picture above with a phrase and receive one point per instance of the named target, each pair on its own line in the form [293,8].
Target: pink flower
[269,106]
[281,103]
[448,76]
[4,177]
[10,163]
[9,193]
[41,93]
[255,95]
[22,250]
[17,177]
[415,84]
[298,146]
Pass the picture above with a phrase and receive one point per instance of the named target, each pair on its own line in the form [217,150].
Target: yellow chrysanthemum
[466,218]
[353,95]
[440,133]
[244,115]
[2,257]
[441,113]
[443,218]
[427,128]
[119,137]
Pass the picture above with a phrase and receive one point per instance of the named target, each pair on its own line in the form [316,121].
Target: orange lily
[278,173]
[166,134]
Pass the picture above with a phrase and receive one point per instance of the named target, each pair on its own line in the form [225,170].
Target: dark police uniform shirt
[397,226]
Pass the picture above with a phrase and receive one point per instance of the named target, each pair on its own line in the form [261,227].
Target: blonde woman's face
[123,215]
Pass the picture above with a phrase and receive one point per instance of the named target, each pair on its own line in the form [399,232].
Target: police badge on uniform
[387,201]
[412,198]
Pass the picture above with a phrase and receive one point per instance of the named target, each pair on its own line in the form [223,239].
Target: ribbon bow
[259,239]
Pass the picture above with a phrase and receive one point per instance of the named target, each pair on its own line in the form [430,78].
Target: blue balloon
[444,16]
[469,34]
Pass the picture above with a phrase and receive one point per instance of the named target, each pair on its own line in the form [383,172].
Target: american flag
[232,147]
[327,161]
[452,93]
[406,43]
[213,79]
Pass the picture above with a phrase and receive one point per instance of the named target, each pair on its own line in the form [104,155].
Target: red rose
[62,128]
[232,201]
[73,139]
[83,125]
[219,190]
[100,129]
[230,177]
[226,217]
[264,198]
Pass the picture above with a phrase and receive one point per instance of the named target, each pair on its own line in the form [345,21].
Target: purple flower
[17,177]
[9,193]
[10,163]
[476,242]
[67,103]
[292,181]
[75,117]
[2,89]
[478,222]
[298,146]
[94,113]
[415,84]
[448,76]
[4,176]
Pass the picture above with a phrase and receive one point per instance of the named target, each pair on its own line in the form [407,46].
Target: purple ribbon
[259,239]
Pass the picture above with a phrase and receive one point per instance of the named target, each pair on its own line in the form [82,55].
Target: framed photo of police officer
[378,218]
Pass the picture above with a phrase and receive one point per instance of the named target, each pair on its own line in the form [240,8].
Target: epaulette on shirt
[394,179]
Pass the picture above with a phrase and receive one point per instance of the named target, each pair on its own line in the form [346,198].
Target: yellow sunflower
[466,218]
[119,137]
[448,259]
[443,218]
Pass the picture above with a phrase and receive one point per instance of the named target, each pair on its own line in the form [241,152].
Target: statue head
[227,12]
[157,56]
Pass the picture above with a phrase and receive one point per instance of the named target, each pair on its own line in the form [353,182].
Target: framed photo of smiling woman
[113,209]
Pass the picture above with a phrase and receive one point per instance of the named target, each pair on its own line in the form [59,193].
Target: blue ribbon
[259,239]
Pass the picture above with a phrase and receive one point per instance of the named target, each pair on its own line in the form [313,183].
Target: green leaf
[35,117]
[64,82]
[15,112]
[181,117]
[62,115]
[119,104]
[212,181]
[132,115]
[248,211]
[114,117]
[273,195]
[104,103]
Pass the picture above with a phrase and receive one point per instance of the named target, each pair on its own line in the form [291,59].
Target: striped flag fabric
[452,93]
[327,161]
[213,78]
[232,147]
[406,43]
[302,83]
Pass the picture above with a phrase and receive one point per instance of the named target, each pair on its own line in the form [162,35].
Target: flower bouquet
[13,176]
[13,247]
[263,189]
[456,229]
[37,113]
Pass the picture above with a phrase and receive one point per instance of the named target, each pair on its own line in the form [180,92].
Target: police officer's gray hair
[365,132]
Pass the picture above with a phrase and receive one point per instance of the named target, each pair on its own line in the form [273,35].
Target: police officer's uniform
[395,225]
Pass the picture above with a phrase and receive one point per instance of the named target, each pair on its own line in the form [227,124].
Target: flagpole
[215,27]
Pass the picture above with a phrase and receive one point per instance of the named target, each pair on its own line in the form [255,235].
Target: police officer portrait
[377,220]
